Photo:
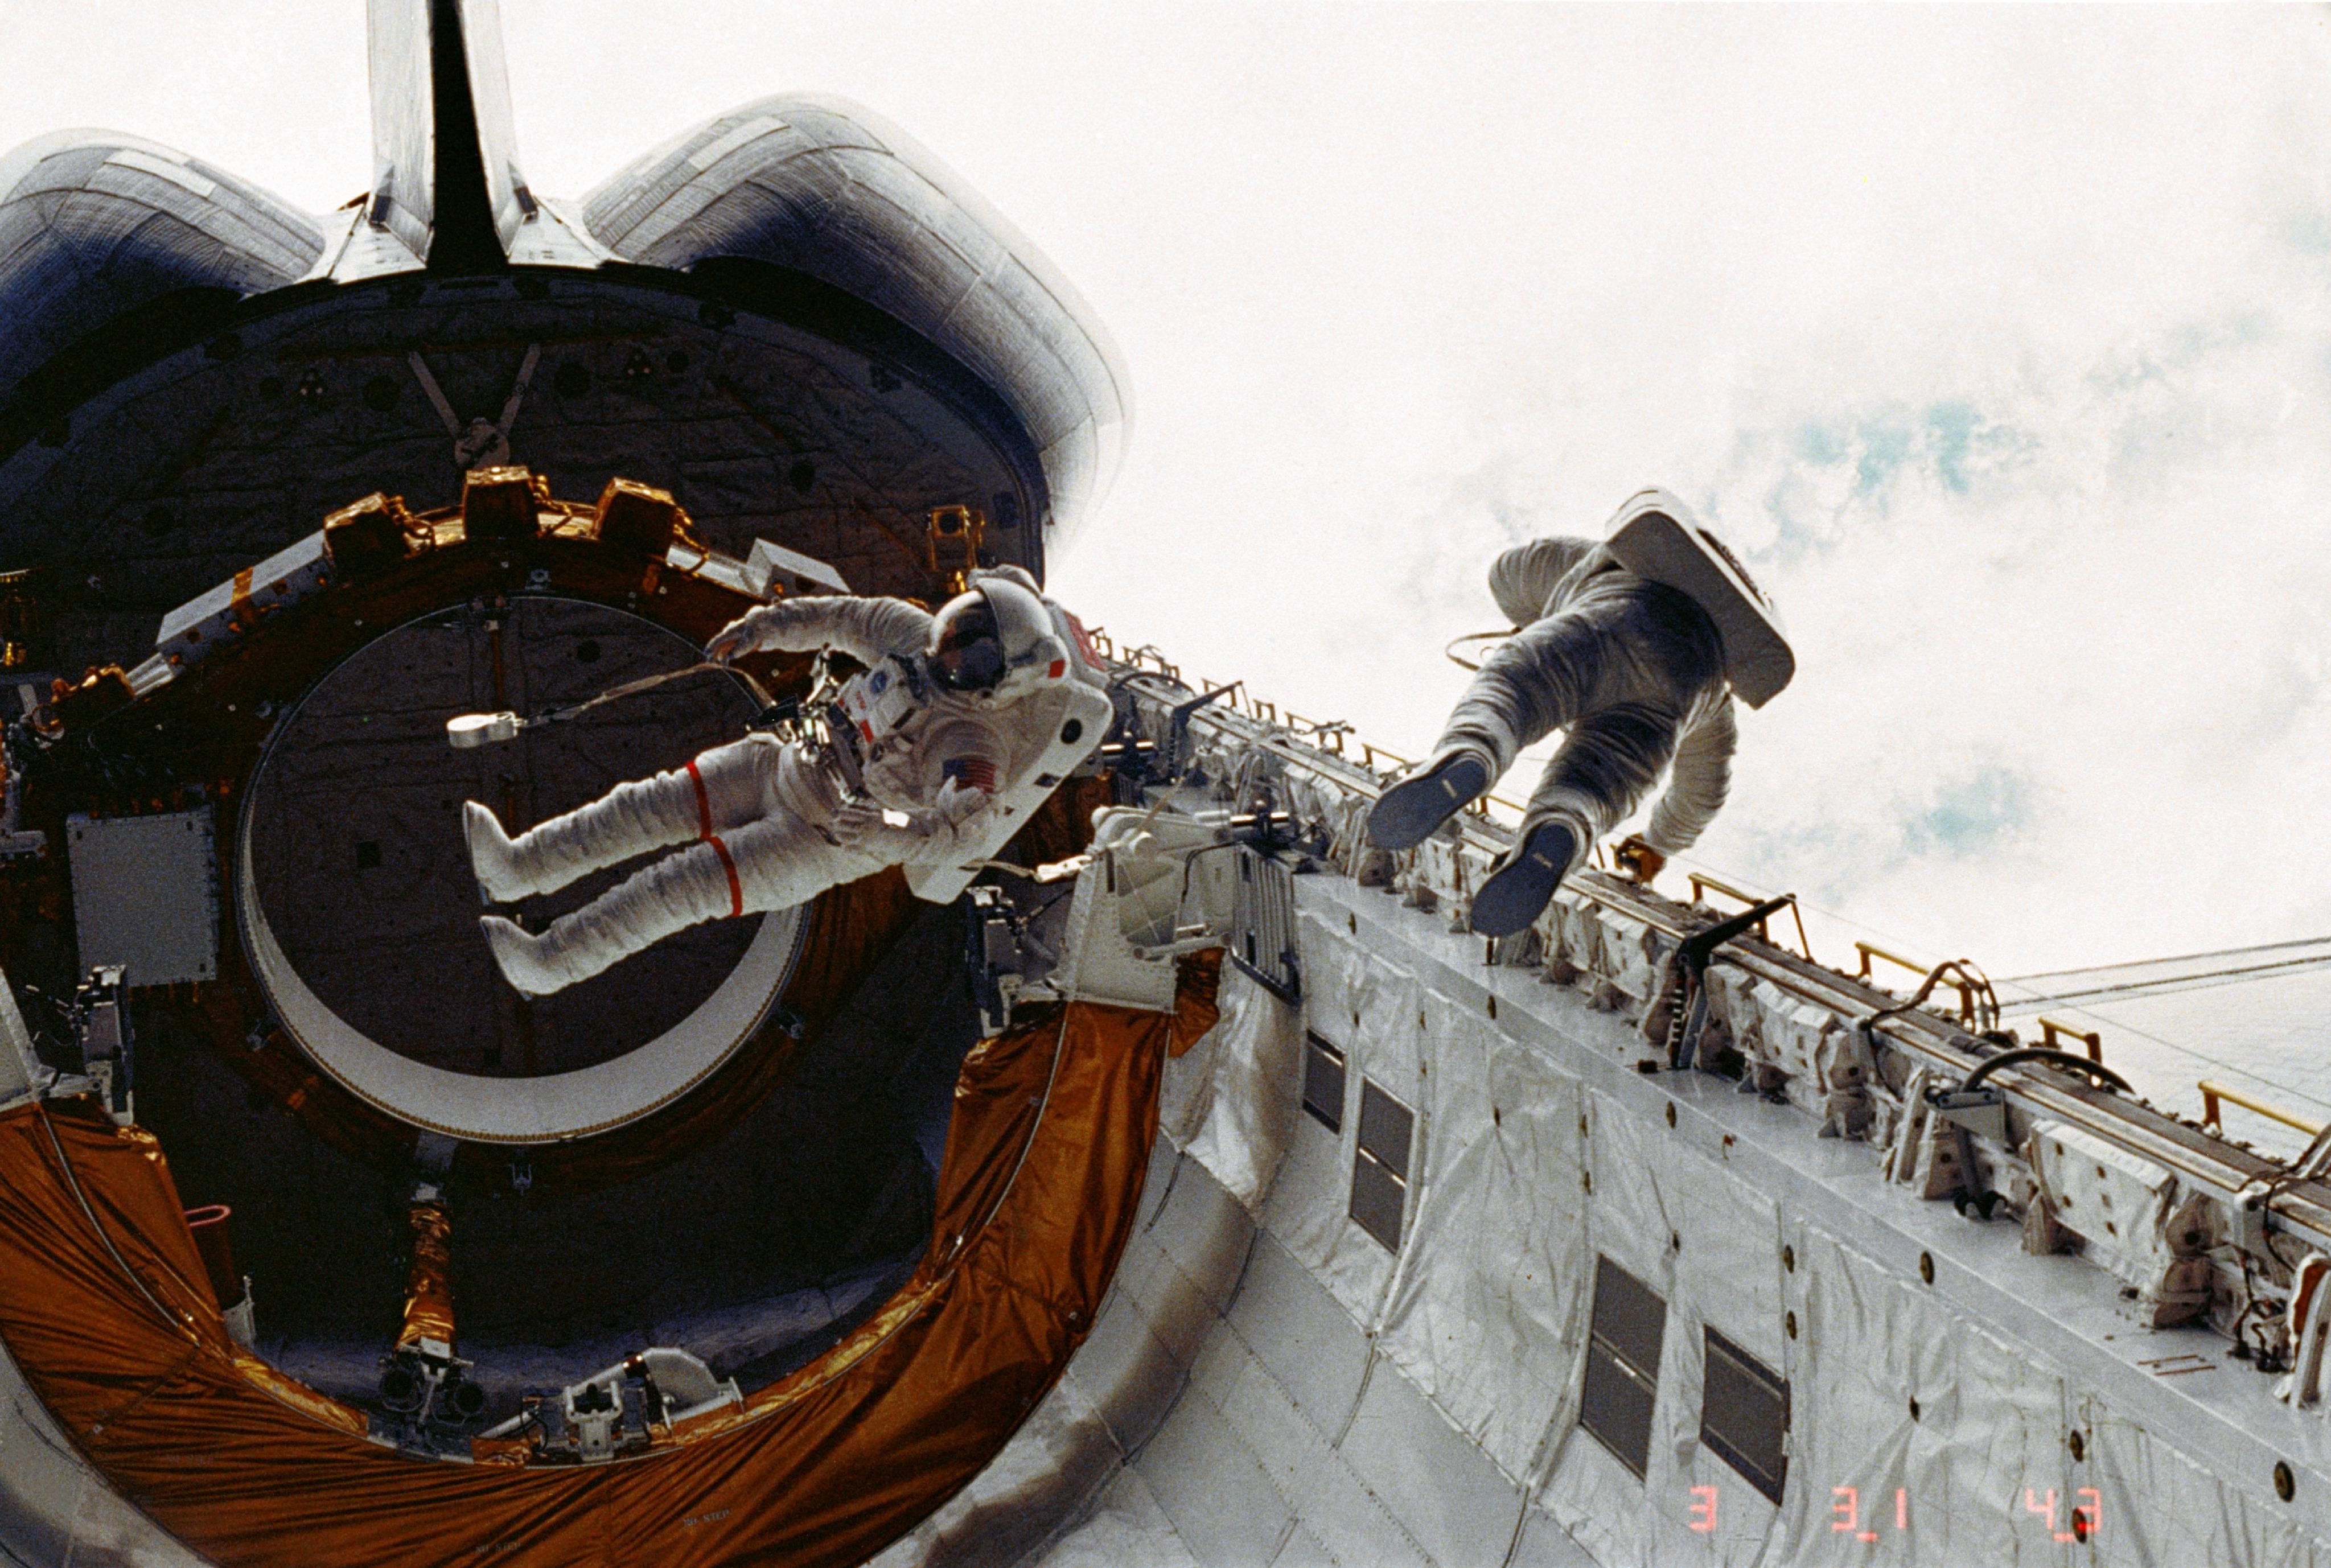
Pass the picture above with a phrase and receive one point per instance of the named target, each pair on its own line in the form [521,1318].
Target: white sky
[1998,339]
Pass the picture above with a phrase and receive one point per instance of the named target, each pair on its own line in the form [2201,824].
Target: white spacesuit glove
[731,641]
[863,828]
[929,833]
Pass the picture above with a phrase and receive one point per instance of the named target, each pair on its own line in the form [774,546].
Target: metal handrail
[2050,1028]
[1329,733]
[2213,1092]
[1869,950]
[1703,884]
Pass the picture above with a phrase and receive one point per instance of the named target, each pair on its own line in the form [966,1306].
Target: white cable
[2179,958]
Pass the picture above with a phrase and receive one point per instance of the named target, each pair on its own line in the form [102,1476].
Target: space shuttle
[1184,1184]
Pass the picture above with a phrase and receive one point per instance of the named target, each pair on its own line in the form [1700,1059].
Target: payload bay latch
[1979,1111]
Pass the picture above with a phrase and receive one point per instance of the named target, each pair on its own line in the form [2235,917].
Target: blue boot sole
[1517,892]
[1406,814]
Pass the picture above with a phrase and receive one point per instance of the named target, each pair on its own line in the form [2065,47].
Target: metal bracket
[956,530]
[1180,731]
[1261,940]
[100,1012]
[1972,1114]
[432,1156]
[1982,1111]
[1685,987]
[992,953]
[2246,1217]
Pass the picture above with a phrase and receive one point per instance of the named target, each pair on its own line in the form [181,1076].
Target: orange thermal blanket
[115,1325]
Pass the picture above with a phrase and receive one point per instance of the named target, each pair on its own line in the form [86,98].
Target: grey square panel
[1206,1232]
[1123,1528]
[1615,1408]
[1323,1082]
[1378,1200]
[1744,1415]
[1128,1374]
[146,895]
[1545,1544]
[1622,1365]
[1177,1311]
[1385,1128]
[1629,1317]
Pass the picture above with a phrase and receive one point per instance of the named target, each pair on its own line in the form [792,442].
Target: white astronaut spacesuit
[771,823]
[1638,671]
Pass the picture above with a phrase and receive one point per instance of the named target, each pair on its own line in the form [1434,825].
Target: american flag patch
[973,772]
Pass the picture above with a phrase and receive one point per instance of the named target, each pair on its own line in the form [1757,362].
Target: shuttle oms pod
[786,352]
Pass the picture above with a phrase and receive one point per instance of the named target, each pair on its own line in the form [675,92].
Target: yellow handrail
[2050,1029]
[1869,950]
[2213,1092]
[1702,883]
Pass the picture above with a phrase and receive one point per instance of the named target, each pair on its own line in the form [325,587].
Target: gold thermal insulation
[104,1306]
[429,1281]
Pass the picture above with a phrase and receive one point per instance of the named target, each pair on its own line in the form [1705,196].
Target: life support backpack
[1060,715]
[1658,539]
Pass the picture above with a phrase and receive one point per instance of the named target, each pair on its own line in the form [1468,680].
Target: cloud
[1973,814]
[2107,575]
[2037,470]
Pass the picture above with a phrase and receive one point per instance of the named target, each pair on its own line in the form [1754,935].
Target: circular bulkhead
[355,897]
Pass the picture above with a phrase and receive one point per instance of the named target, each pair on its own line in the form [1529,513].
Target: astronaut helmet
[998,640]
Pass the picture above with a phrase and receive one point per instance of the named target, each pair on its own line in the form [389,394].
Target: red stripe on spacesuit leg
[704,811]
[728,864]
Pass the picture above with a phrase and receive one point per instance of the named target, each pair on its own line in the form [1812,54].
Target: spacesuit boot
[672,895]
[628,820]
[1427,795]
[1518,889]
